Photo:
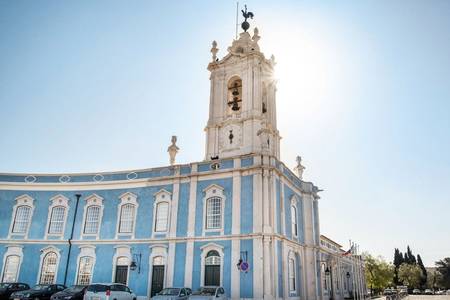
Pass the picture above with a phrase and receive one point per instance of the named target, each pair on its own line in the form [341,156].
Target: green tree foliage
[443,267]
[434,280]
[409,257]
[410,275]
[398,260]
[379,273]
[423,280]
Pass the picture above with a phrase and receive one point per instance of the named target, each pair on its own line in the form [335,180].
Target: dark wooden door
[157,280]
[121,274]
[212,275]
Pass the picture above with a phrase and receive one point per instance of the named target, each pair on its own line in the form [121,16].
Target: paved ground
[434,297]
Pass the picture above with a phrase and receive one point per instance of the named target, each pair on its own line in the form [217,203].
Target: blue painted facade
[176,181]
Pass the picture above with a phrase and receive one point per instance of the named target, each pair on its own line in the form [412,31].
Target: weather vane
[245,25]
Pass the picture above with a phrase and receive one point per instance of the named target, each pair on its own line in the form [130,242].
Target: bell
[235,106]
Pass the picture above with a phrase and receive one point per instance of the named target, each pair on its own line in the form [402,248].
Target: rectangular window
[92,220]
[162,217]
[21,219]
[214,213]
[85,270]
[126,218]
[57,220]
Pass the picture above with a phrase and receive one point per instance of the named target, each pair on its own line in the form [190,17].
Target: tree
[409,257]
[443,267]
[423,280]
[434,280]
[410,275]
[379,273]
[398,260]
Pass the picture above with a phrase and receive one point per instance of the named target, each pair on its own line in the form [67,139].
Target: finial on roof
[299,168]
[173,150]
[214,51]
[245,25]
[256,36]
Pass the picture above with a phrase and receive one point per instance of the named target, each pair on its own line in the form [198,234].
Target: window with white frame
[22,219]
[57,218]
[92,221]
[85,267]
[126,223]
[162,216]
[294,220]
[48,268]
[292,275]
[11,268]
[126,214]
[214,213]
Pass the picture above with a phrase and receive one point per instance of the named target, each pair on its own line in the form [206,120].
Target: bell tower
[242,108]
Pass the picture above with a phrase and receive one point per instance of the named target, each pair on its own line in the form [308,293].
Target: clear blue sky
[364,98]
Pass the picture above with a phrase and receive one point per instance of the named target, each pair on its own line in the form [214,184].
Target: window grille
[214,213]
[57,220]
[48,269]
[22,219]
[212,258]
[11,268]
[85,270]
[162,216]
[126,223]
[92,220]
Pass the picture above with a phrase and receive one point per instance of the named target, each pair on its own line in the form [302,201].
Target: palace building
[239,218]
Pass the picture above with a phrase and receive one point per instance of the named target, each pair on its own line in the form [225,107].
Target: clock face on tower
[230,137]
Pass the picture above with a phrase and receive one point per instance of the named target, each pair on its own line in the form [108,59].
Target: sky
[363,96]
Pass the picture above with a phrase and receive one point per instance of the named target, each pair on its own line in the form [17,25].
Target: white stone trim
[189,263]
[192,203]
[156,250]
[85,250]
[12,250]
[58,200]
[160,197]
[23,200]
[174,208]
[292,256]
[294,203]
[236,207]
[44,252]
[204,250]
[127,198]
[121,251]
[93,199]
[213,190]
[235,273]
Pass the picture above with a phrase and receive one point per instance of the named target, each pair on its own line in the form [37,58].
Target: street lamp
[136,262]
[327,271]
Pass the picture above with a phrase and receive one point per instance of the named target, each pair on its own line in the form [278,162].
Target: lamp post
[348,282]
[329,273]
[136,262]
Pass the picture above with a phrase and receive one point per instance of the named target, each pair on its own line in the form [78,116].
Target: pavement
[422,297]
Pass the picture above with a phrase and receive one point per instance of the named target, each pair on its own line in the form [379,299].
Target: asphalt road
[423,297]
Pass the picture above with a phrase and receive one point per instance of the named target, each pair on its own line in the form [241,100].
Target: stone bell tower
[242,109]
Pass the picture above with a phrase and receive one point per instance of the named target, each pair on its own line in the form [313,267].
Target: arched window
[214,213]
[162,217]
[122,264]
[91,224]
[294,220]
[292,275]
[85,267]
[48,268]
[57,217]
[22,219]
[158,261]
[11,268]
[126,224]
[212,268]
[234,99]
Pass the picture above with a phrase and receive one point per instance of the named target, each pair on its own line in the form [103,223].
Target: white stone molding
[44,252]
[235,273]
[155,251]
[213,190]
[58,200]
[92,200]
[12,250]
[121,251]
[192,203]
[236,207]
[85,250]
[204,251]
[127,198]
[162,196]
[23,200]
[174,209]
[292,256]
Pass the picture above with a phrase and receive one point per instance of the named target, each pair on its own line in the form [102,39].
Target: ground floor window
[292,276]
[48,269]
[11,268]
[157,275]
[122,264]
[85,270]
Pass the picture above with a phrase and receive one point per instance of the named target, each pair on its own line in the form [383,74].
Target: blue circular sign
[244,266]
